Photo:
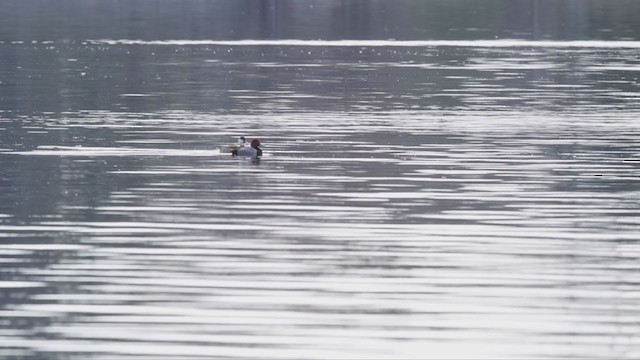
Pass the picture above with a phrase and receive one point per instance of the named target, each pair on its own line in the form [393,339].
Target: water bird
[249,151]
[242,150]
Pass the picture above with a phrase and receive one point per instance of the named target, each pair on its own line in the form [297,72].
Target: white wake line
[502,43]
[112,151]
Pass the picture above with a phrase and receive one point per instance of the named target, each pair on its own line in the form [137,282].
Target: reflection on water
[403,234]
[432,199]
[300,76]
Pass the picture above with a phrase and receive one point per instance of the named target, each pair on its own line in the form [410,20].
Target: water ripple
[429,199]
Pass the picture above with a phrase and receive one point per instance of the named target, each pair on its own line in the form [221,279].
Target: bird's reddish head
[255,143]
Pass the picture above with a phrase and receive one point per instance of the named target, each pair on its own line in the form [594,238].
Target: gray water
[441,179]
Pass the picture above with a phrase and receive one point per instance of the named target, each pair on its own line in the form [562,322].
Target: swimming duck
[252,151]
[242,150]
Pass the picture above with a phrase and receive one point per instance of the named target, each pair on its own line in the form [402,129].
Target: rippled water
[473,199]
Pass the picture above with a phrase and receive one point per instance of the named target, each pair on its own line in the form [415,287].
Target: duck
[249,151]
[242,150]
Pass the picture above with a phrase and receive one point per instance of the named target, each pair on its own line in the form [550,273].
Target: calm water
[431,188]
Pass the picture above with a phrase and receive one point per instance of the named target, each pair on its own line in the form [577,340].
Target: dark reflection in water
[462,196]
[280,19]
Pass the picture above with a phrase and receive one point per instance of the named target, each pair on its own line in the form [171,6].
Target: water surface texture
[441,179]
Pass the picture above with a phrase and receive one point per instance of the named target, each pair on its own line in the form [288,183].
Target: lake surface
[441,179]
